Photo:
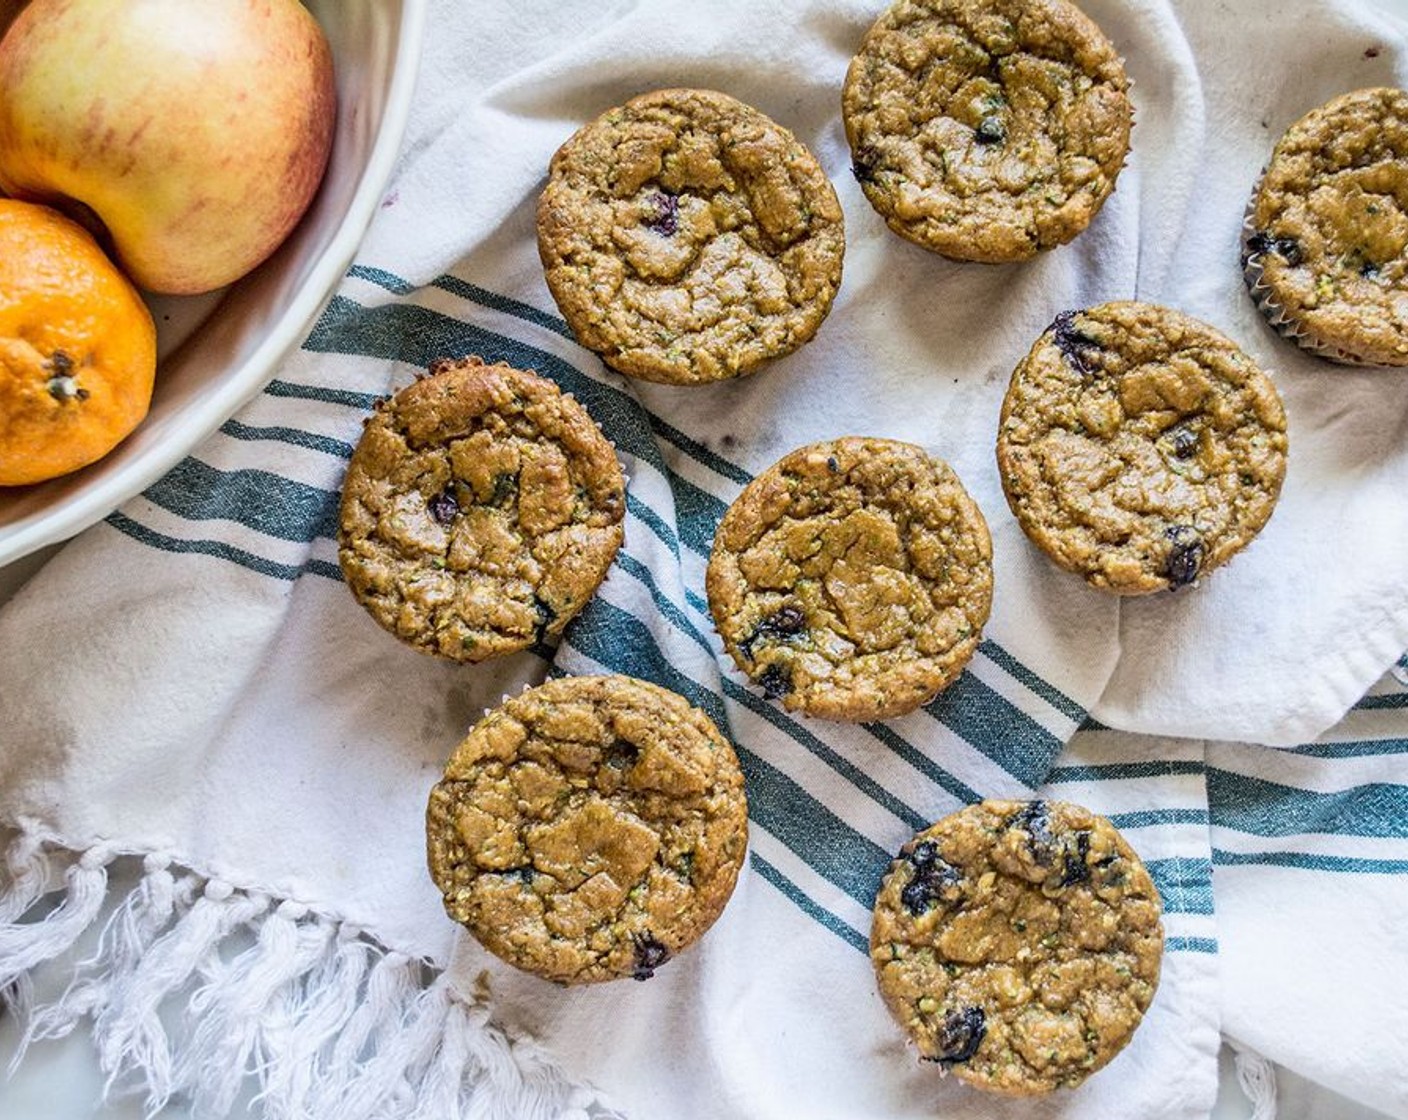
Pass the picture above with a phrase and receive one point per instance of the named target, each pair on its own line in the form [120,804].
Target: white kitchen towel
[190,683]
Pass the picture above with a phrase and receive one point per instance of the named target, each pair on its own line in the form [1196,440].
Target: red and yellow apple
[194,131]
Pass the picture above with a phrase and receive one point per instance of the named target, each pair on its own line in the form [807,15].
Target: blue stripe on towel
[1312,861]
[1262,808]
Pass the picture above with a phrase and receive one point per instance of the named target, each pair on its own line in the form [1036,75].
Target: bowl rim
[93,503]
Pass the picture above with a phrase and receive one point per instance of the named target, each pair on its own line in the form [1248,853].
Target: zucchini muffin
[851,580]
[1018,944]
[1139,447]
[481,509]
[589,829]
[688,238]
[1325,244]
[987,130]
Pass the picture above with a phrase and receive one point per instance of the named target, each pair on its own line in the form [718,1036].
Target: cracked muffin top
[481,509]
[688,238]
[987,130]
[589,829]
[1018,944]
[1326,246]
[1139,447]
[852,579]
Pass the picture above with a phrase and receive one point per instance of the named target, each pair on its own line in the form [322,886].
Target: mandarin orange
[77,347]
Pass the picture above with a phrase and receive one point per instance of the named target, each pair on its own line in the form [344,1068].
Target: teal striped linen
[837,799]
[829,803]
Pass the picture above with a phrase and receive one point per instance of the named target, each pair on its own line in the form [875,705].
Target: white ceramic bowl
[216,352]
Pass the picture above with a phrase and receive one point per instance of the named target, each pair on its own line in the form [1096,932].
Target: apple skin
[195,131]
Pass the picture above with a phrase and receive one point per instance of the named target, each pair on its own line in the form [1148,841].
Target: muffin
[688,238]
[1139,447]
[851,580]
[589,829]
[481,509]
[987,130]
[1325,242]
[1018,944]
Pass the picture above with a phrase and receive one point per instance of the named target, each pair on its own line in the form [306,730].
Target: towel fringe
[1257,1078]
[196,986]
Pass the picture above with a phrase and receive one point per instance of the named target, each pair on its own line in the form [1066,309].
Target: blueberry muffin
[688,238]
[1140,448]
[1325,244]
[1018,944]
[987,130]
[481,509]
[589,829]
[852,579]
